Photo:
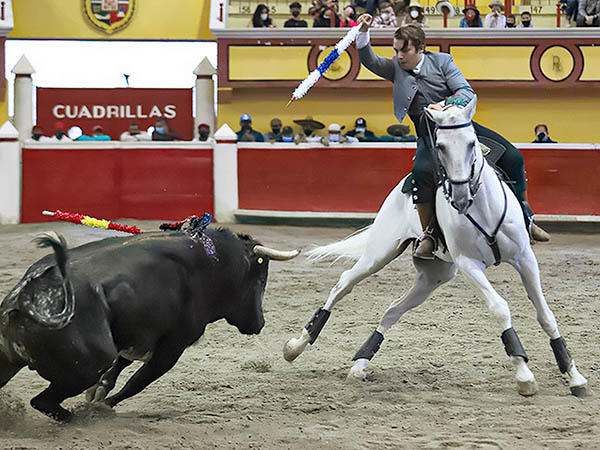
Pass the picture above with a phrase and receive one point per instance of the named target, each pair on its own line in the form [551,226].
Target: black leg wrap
[317,323]
[513,345]
[370,347]
[561,353]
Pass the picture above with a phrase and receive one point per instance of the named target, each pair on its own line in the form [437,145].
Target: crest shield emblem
[109,16]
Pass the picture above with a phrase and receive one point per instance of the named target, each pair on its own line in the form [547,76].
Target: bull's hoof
[96,393]
[580,391]
[356,374]
[527,388]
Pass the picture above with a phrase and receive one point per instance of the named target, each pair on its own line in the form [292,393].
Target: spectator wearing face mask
[415,15]
[472,17]
[386,18]
[309,127]
[323,19]
[134,134]
[275,133]
[37,134]
[348,17]
[247,133]
[295,21]
[361,133]
[59,133]
[261,18]
[162,132]
[511,21]
[335,136]
[525,20]
[287,135]
[204,134]
[541,135]
[495,19]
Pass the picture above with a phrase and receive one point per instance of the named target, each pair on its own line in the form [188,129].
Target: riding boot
[536,233]
[427,243]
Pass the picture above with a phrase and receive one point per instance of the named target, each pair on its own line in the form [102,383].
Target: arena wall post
[23,101]
[205,95]
[10,174]
[225,174]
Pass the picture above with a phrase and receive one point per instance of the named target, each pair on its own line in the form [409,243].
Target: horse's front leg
[527,267]
[474,271]
[373,260]
[430,275]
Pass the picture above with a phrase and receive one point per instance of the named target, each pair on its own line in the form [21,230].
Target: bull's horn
[277,255]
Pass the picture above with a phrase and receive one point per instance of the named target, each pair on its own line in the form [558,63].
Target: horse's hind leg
[530,275]
[430,276]
[373,260]
[474,271]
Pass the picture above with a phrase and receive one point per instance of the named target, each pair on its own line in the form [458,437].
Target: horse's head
[457,149]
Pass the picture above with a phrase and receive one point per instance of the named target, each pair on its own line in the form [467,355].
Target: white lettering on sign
[112,111]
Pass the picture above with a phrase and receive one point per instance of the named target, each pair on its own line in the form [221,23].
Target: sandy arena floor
[440,380]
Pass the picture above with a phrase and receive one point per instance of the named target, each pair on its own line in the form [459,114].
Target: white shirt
[495,21]
[141,136]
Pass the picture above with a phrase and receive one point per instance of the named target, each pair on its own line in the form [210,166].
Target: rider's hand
[436,106]
[365,22]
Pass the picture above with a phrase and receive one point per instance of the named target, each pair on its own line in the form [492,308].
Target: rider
[431,79]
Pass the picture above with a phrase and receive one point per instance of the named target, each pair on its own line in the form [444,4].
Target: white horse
[483,225]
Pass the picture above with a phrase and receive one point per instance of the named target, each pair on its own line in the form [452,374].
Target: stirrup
[425,246]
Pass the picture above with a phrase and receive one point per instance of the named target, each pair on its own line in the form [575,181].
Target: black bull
[82,315]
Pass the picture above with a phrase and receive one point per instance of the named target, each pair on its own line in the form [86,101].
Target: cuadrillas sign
[109,16]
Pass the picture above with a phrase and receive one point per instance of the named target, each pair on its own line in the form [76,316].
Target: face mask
[203,135]
[287,139]
[295,13]
[36,136]
[245,125]
[470,15]
[510,24]
[360,129]
[264,17]
[541,136]
[385,16]
[159,130]
[526,22]
[134,132]
[276,130]
[59,134]
[334,137]
[414,14]
[308,132]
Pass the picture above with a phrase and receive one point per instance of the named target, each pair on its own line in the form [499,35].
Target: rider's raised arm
[456,81]
[384,67]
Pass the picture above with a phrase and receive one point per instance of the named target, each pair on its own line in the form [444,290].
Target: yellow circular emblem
[556,63]
[339,69]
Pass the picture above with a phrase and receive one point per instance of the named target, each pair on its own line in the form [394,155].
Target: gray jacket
[438,79]
[589,7]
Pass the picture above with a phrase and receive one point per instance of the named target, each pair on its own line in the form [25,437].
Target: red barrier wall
[561,180]
[112,183]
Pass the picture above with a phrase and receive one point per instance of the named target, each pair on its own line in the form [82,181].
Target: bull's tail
[350,248]
[34,303]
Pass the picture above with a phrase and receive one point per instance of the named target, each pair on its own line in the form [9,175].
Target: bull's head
[248,315]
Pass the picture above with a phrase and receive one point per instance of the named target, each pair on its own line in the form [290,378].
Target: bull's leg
[369,263]
[48,402]
[164,357]
[431,274]
[107,381]
[474,271]
[530,275]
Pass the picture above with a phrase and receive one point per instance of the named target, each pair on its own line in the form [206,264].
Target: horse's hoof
[580,391]
[527,388]
[356,375]
[291,350]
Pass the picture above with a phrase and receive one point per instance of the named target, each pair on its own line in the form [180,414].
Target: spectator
[246,133]
[59,133]
[204,134]
[360,131]
[386,18]
[588,13]
[400,8]
[525,20]
[309,126]
[287,135]
[98,134]
[496,19]
[472,17]
[162,132]
[335,136]
[323,19]
[349,17]
[295,21]
[261,18]
[134,134]
[37,134]
[541,135]
[415,15]
[570,8]
[275,133]
[511,21]
[399,133]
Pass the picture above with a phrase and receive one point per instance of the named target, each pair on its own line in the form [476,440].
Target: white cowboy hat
[415,4]
[439,7]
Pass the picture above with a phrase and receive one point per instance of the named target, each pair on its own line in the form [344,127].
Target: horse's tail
[351,247]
